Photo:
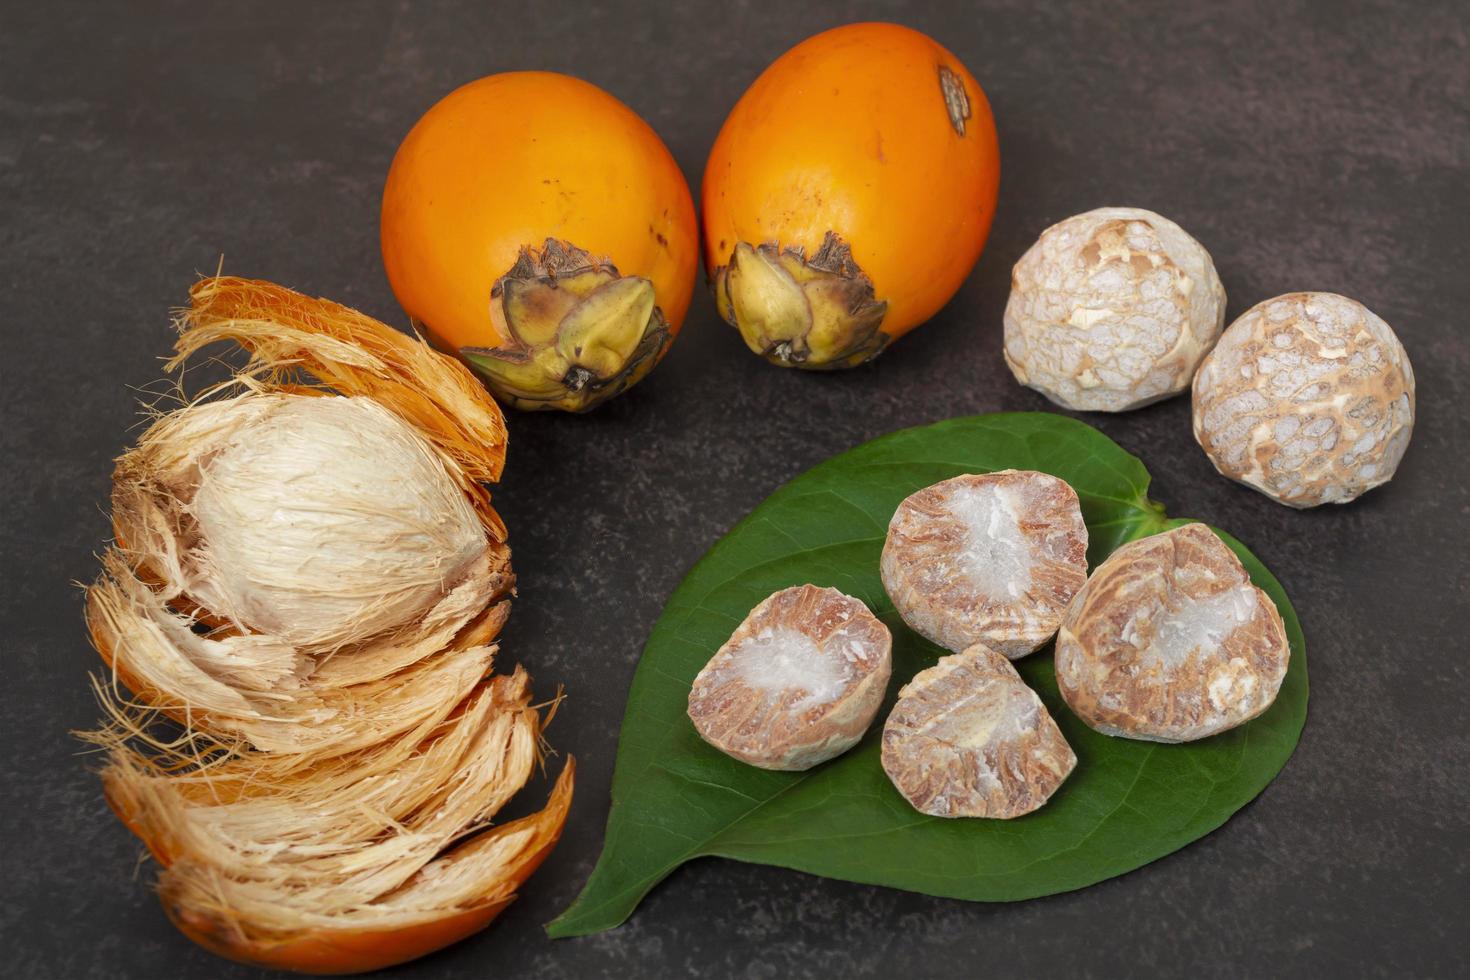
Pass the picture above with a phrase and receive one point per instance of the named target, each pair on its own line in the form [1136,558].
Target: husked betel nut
[989,558]
[1309,398]
[798,682]
[1111,310]
[1169,641]
[968,738]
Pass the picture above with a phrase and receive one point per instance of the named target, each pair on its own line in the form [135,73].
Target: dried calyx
[309,577]
[816,313]
[579,333]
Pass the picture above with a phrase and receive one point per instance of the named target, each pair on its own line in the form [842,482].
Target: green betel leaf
[1127,803]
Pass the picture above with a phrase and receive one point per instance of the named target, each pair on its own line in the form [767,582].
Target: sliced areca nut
[990,558]
[1170,642]
[576,331]
[798,682]
[968,738]
[795,311]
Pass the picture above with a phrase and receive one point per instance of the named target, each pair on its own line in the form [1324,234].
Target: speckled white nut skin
[989,558]
[1170,642]
[968,738]
[1111,310]
[1309,398]
[797,683]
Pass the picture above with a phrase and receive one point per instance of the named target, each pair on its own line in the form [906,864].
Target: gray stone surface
[1308,146]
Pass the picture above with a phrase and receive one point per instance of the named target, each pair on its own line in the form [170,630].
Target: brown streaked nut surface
[989,558]
[1111,310]
[1309,398]
[798,682]
[1170,642]
[968,738]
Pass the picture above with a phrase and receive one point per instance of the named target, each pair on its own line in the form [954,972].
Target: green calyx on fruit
[818,313]
[579,332]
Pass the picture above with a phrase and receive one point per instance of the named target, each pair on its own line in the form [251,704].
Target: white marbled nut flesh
[989,558]
[1170,642]
[798,682]
[1111,310]
[968,738]
[1308,398]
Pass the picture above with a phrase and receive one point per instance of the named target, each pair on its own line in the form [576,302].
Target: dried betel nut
[968,738]
[1112,310]
[798,682]
[989,558]
[1170,642]
[1309,398]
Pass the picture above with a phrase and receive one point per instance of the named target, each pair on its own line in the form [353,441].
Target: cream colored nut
[988,558]
[1112,310]
[1170,642]
[798,682]
[968,738]
[1309,398]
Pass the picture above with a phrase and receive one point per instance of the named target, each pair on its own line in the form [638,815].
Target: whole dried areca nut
[989,558]
[1111,310]
[968,738]
[1170,642]
[1309,398]
[798,682]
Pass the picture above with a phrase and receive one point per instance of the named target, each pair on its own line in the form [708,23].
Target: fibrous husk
[352,354]
[267,863]
[262,615]
[309,579]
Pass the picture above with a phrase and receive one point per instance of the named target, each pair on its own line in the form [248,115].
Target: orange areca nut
[538,228]
[848,195]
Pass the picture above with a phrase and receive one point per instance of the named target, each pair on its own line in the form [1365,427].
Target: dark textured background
[1307,146]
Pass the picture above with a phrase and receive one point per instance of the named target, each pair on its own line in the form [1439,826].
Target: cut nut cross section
[968,738]
[991,558]
[798,683]
[1170,642]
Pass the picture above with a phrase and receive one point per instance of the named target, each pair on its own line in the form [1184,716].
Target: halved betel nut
[1169,641]
[968,738]
[989,558]
[798,682]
